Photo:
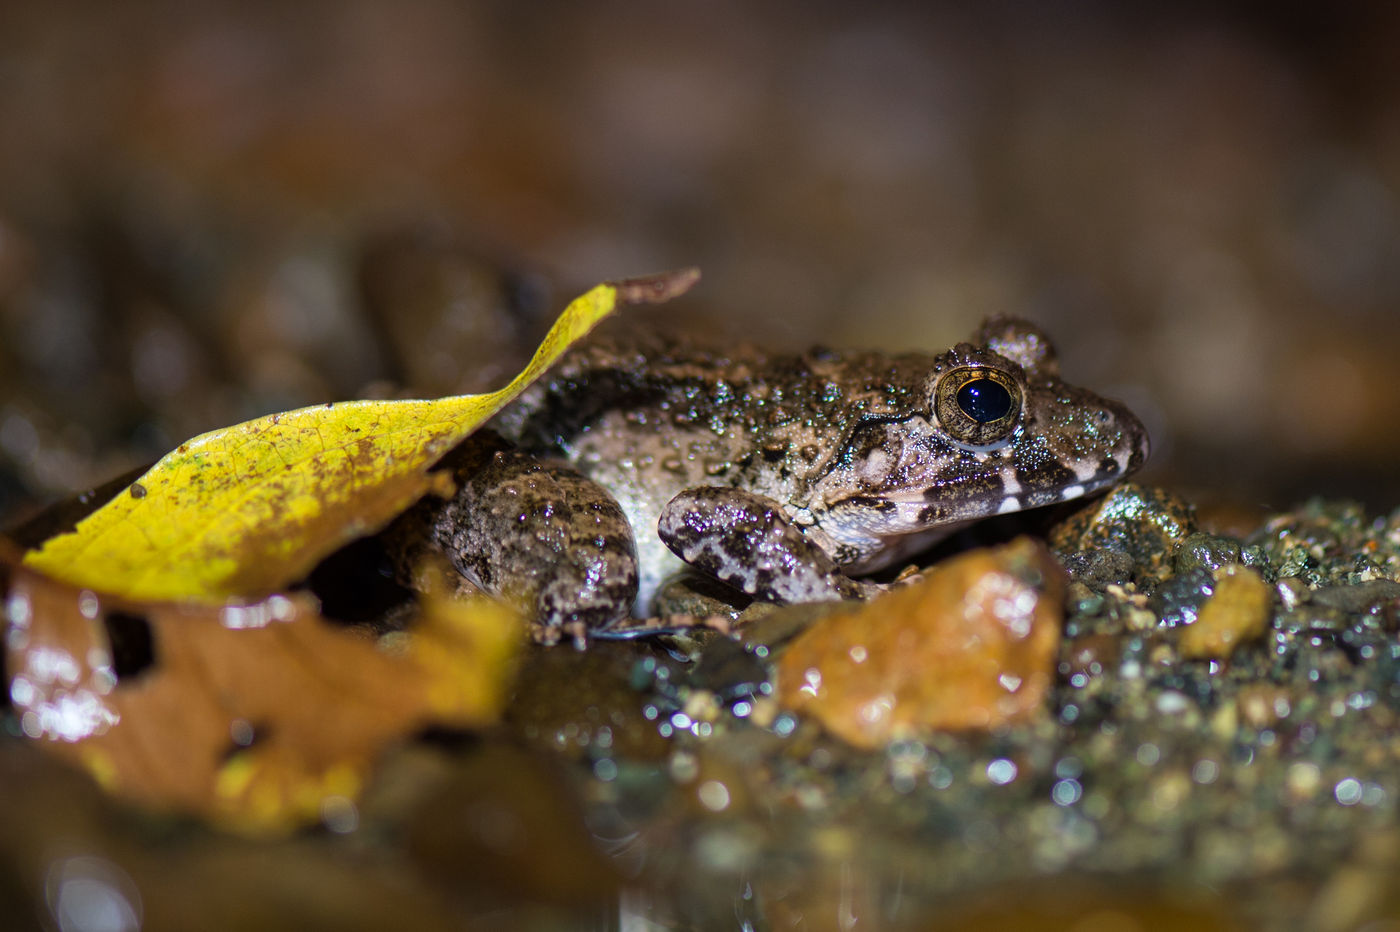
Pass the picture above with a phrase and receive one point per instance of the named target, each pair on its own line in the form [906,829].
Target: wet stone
[1360,598]
[579,703]
[1237,613]
[729,670]
[1083,600]
[770,626]
[1321,541]
[694,594]
[1146,524]
[1208,551]
[1264,705]
[1309,618]
[1099,568]
[1178,601]
[971,648]
[1090,655]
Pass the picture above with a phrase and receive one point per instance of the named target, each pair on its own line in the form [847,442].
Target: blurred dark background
[210,211]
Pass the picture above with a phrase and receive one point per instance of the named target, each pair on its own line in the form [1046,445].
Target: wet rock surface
[1217,737]
[1145,525]
[1206,721]
[968,648]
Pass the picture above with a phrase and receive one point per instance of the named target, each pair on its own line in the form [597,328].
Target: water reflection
[91,894]
[55,701]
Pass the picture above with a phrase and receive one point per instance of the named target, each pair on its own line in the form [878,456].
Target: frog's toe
[587,595]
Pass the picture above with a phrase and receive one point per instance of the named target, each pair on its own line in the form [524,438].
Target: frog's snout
[1136,445]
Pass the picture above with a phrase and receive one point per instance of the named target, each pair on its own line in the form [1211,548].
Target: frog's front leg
[540,535]
[746,541]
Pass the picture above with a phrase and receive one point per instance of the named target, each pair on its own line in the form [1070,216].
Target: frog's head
[1002,405]
[1001,432]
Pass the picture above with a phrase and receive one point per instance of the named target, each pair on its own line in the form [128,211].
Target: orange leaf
[254,715]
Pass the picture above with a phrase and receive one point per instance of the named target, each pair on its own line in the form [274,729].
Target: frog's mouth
[888,527]
[982,493]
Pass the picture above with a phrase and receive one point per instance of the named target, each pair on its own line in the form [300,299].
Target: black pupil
[984,400]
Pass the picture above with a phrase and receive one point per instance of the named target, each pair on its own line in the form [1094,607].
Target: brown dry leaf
[256,715]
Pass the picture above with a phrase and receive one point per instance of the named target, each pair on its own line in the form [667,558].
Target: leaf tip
[655,289]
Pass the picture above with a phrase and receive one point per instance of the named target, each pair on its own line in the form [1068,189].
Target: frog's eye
[977,405]
[984,400]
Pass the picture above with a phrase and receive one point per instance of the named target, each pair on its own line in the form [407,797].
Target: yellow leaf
[245,510]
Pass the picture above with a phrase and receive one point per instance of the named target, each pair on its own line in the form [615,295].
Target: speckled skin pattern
[778,474]
[539,533]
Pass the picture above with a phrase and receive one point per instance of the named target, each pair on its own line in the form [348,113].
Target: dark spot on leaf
[133,646]
[138,490]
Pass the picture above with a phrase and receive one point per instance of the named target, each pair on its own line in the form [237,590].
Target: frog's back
[649,418]
[684,414]
[656,378]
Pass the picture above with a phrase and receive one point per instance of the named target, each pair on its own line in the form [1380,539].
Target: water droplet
[1348,791]
[1066,792]
[1001,771]
[714,795]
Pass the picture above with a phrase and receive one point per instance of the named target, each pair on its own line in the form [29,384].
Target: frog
[789,477]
